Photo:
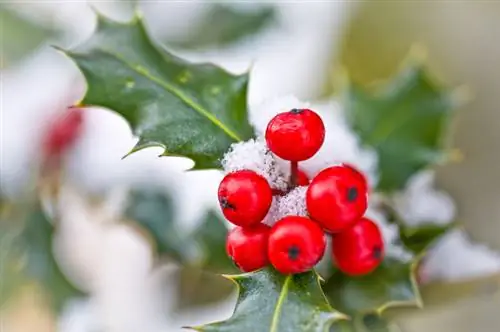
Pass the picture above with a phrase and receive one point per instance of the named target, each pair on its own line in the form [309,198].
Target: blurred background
[293,48]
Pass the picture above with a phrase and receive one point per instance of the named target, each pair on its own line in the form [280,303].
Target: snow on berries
[283,215]
[293,203]
[254,155]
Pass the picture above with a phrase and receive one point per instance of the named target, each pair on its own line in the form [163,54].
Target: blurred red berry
[247,247]
[244,197]
[63,133]
[337,197]
[359,249]
[295,245]
[295,135]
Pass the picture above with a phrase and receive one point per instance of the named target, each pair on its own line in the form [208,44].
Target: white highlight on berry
[420,203]
[255,156]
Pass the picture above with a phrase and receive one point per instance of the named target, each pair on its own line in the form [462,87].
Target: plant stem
[294,171]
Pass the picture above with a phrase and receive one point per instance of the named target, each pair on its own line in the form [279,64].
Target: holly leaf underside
[223,25]
[192,110]
[27,257]
[270,301]
[391,284]
[405,121]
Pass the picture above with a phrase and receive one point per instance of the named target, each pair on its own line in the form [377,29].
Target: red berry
[295,245]
[247,247]
[295,135]
[302,179]
[337,197]
[245,197]
[63,132]
[359,249]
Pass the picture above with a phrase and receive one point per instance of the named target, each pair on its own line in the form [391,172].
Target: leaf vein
[279,304]
[170,88]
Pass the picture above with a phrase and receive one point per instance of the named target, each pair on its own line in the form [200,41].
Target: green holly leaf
[270,301]
[27,257]
[405,121]
[223,25]
[191,110]
[419,238]
[391,284]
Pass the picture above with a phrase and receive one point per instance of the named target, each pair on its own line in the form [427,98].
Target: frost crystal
[254,155]
[272,216]
[293,203]
[420,203]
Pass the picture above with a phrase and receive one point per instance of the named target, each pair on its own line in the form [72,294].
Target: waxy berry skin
[359,249]
[295,135]
[295,244]
[247,247]
[302,179]
[63,132]
[337,197]
[244,197]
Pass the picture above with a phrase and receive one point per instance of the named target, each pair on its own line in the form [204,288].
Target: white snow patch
[293,203]
[455,257]
[421,203]
[255,156]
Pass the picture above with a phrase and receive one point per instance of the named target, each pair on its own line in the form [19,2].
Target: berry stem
[294,171]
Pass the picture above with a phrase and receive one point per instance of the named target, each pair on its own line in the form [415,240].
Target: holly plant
[200,111]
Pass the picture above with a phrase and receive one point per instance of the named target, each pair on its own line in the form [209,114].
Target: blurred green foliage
[27,256]
[224,25]
[19,36]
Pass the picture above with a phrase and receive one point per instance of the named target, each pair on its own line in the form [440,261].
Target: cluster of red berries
[336,200]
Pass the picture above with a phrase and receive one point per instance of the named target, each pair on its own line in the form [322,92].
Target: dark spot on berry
[352,194]
[377,253]
[224,203]
[296,110]
[293,252]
